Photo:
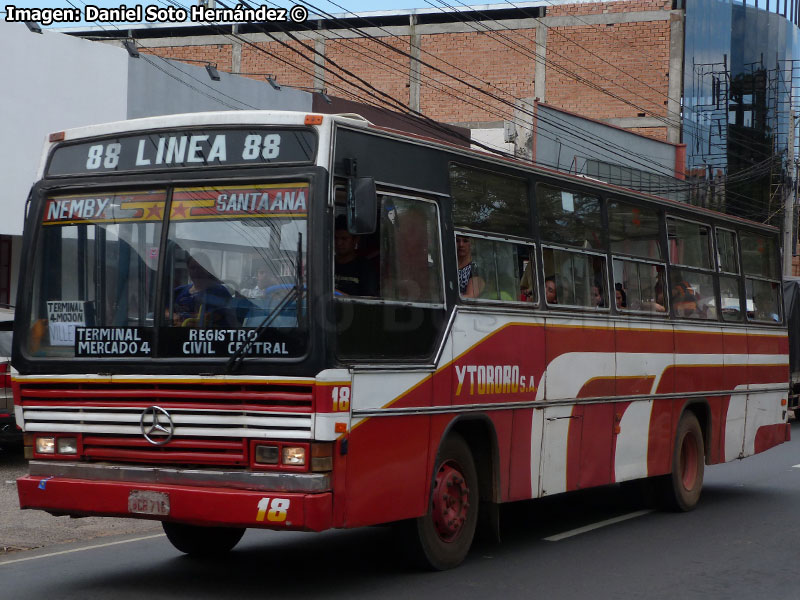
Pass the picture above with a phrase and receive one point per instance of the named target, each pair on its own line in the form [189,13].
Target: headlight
[267,455]
[67,445]
[45,445]
[294,455]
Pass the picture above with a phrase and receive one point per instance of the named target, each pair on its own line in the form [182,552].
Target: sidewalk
[27,529]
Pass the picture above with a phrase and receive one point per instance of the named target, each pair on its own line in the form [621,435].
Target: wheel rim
[689,455]
[450,501]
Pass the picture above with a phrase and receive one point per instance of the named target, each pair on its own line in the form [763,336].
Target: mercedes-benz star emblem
[156,425]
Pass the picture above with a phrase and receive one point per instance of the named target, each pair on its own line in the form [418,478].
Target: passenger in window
[352,274]
[203,302]
[657,304]
[550,290]
[598,301]
[765,307]
[621,296]
[470,285]
[526,284]
[684,300]
[265,279]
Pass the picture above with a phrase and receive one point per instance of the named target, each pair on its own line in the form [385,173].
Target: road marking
[139,539]
[796,466]
[560,536]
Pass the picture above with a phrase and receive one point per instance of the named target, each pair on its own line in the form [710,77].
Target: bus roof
[238,117]
[352,120]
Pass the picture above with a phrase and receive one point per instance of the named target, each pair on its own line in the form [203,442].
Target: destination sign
[119,207]
[184,149]
[224,343]
[136,342]
[225,202]
[104,342]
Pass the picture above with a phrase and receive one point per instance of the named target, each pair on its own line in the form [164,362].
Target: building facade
[716,75]
[714,80]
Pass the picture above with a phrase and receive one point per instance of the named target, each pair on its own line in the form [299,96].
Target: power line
[335,74]
[482,91]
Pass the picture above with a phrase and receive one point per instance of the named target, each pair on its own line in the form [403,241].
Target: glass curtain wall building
[741,83]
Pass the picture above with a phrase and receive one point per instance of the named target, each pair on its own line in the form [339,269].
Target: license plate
[148,503]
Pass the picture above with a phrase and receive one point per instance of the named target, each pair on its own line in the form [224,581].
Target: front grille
[195,451]
[212,422]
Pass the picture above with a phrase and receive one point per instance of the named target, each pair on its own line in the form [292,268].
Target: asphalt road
[741,542]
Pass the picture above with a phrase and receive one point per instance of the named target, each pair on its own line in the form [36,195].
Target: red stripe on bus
[768,436]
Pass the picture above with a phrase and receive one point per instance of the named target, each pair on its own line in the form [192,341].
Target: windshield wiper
[237,358]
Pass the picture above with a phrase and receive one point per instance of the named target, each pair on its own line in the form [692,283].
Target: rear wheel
[195,540]
[444,535]
[681,489]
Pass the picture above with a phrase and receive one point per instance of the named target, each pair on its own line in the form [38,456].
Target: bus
[294,321]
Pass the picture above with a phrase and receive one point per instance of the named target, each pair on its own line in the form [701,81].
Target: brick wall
[501,64]
[607,7]
[220,54]
[629,60]
[384,69]
[290,63]
[581,59]
[657,133]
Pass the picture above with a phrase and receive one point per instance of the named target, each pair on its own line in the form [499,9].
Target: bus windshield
[227,278]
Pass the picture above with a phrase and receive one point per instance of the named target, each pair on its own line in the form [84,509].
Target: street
[741,542]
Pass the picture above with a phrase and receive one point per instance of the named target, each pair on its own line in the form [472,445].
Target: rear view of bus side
[303,322]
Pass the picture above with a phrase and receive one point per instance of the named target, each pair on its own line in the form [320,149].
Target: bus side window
[410,263]
[643,285]
[691,278]
[728,267]
[574,278]
[492,269]
[762,277]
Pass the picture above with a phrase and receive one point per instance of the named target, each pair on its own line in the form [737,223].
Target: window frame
[660,215]
[710,243]
[601,200]
[522,178]
[782,312]
[472,233]
[584,251]
[381,301]
[650,313]
[736,248]
[710,271]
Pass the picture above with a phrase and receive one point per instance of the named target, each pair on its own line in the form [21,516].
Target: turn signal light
[313,119]
[322,457]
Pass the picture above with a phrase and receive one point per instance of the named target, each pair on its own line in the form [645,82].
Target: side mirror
[362,205]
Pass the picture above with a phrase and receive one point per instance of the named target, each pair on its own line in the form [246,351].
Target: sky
[344,6]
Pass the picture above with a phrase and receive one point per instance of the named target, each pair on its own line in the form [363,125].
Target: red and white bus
[190,348]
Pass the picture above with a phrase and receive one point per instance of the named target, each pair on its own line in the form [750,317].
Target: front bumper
[201,497]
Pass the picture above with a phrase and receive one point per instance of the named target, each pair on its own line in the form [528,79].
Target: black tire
[680,490]
[444,535]
[195,540]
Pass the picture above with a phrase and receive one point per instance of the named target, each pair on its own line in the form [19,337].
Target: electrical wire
[370,88]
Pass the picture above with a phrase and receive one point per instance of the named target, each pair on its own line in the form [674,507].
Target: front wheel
[195,540]
[681,489]
[444,535]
